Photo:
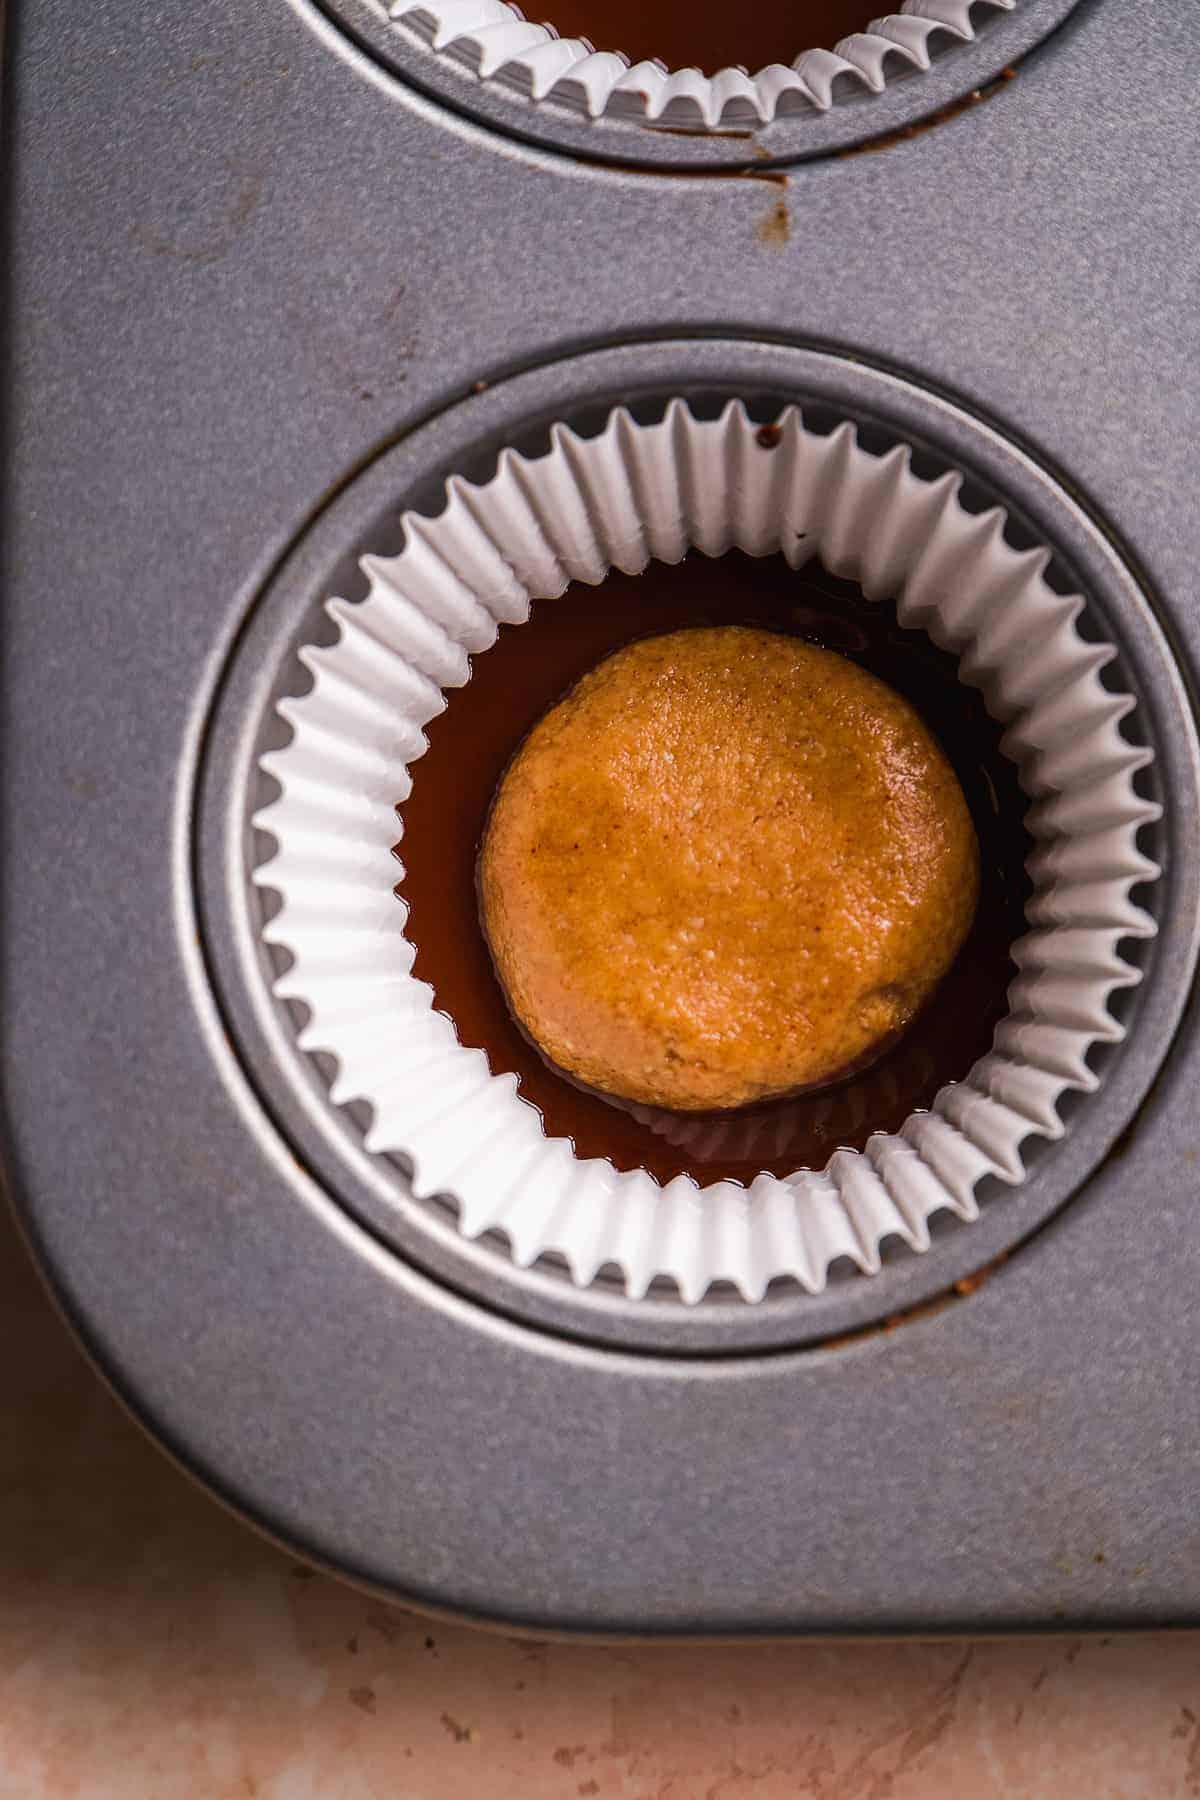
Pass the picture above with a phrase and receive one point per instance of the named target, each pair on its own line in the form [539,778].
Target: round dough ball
[728,866]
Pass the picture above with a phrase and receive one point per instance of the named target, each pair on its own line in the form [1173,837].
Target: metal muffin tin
[267,286]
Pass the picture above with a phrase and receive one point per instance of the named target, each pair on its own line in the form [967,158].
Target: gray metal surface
[241,261]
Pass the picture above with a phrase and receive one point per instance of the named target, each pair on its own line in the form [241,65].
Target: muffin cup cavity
[496,43]
[630,494]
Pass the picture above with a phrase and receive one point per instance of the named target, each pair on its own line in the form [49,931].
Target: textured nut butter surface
[727,866]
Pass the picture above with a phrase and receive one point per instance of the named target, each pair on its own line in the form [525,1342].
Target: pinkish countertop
[152,1647]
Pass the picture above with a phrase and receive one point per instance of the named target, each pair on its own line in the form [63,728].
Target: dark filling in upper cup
[710,34]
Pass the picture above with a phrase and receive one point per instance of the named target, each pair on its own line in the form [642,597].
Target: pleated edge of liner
[493,41]
[894,1153]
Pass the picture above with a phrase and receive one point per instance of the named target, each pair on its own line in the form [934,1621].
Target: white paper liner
[633,493]
[494,40]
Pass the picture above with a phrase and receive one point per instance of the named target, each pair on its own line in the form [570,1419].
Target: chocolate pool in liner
[497,43]
[524,675]
[619,499]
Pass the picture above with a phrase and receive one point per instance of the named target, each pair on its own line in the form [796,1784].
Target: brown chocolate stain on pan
[514,683]
[944,114]
[709,34]
[775,227]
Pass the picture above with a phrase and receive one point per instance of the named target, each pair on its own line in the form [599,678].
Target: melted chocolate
[515,682]
[713,34]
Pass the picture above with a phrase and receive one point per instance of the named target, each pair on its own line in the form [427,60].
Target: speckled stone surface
[151,1647]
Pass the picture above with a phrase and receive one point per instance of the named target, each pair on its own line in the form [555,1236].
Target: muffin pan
[270,294]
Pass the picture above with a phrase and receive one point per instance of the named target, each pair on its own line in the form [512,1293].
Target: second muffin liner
[631,494]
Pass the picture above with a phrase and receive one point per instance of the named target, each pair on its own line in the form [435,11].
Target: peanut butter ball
[726,867]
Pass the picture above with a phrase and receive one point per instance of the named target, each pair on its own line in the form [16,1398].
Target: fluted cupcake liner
[616,500]
[497,43]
